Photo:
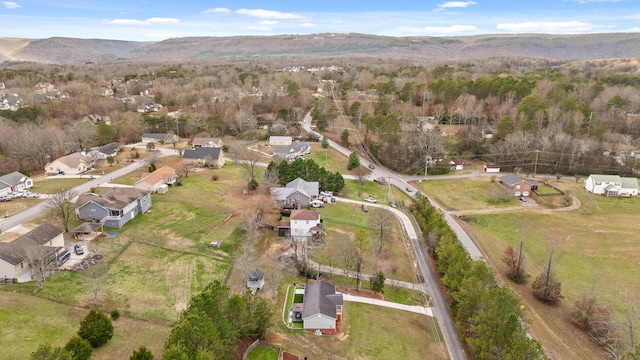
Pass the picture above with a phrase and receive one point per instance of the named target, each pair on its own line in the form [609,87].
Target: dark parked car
[371,166]
[78,249]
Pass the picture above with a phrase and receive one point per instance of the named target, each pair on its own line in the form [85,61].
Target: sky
[155,20]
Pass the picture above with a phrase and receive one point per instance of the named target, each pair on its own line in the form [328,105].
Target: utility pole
[426,165]
[535,165]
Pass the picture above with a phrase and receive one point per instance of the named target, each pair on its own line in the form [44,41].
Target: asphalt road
[440,307]
[40,208]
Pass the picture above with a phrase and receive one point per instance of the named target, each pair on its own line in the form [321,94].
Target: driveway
[365,300]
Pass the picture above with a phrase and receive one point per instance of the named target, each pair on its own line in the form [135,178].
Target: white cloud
[268,14]
[217,11]
[159,35]
[446,30]
[267,22]
[633,17]
[307,25]
[547,27]
[456,4]
[11,5]
[149,21]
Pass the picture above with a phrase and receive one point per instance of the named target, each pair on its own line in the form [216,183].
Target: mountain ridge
[61,50]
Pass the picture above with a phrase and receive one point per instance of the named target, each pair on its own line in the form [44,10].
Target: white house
[322,309]
[13,182]
[199,142]
[280,140]
[105,151]
[165,175]
[43,243]
[456,164]
[305,224]
[72,164]
[611,185]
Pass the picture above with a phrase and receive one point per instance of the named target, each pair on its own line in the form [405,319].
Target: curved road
[40,208]
[440,306]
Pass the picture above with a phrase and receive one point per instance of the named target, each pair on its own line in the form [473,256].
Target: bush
[215,177]
[46,352]
[142,353]
[115,314]
[96,328]
[79,348]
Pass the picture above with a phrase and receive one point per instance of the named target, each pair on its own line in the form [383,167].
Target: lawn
[52,185]
[465,194]
[263,353]
[368,333]
[341,221]
[54,323]
[597,248]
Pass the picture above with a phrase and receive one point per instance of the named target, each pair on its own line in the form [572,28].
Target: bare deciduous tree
[248,160]
[41,261]
[62,207]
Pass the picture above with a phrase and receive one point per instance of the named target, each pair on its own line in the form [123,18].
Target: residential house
[199,142]
[43,243]
[72,164]
[12,103]
[113,207]
[611,185]
[13,182]
[165,175]
[491,168]
[296,193]
[280,140]
[149,107]
[105,151]
[97,119]
[516,185]
[255,281]
[162,138]
[204,156]
[456,164]
[322,309]
[292,152]
[305,225]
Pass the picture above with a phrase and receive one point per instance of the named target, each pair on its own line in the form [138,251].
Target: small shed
[491,169]
[163,189]
[255,281]
[86,229]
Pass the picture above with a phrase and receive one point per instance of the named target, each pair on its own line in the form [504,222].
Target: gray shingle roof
[201,153]
[112,198]
[320,298]
[15,252]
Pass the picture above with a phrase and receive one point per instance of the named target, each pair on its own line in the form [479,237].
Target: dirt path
[575,204]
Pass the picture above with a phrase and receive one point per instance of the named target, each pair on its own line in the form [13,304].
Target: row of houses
[13,182]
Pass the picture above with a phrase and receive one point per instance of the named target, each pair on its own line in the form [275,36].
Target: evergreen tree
[79,348]
[141,353]
[354,161]
[96,328]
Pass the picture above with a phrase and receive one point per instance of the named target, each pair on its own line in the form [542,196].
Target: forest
[566,117]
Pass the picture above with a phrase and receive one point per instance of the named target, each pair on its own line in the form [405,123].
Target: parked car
[370,199]
[77,248]
[32,195]
[5,198]
[19,194]
[409,189]
[365,208]
[63,257]
[371,167]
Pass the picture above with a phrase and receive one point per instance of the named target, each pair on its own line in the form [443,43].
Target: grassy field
[341,221]
[50,322]
[597,247]
[368,333]
[263,353]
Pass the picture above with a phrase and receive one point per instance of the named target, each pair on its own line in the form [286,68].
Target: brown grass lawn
[28,322]
[369,332]
[597,250]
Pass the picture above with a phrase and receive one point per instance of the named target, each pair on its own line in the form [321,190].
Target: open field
[342,221]
[54,323]
[596,250]
[368,333]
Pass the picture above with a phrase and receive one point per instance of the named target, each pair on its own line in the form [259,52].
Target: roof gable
[320,298]
[158,175]
[304,215]
[13,178]
[15,252]
[116,198]
[511,179]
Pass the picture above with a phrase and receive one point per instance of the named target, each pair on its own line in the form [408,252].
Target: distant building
[280,140]
[611,185]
